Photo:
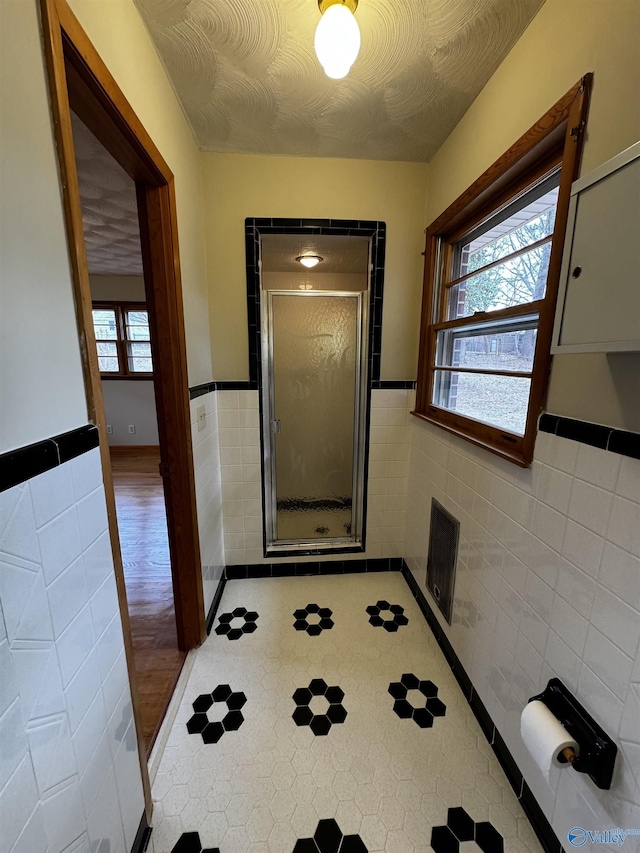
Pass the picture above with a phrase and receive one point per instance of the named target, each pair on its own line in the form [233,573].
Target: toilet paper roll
[544,736]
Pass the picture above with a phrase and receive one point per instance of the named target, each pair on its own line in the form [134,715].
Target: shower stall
[314,405]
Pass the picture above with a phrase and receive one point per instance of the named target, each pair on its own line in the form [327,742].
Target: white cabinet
[598,306]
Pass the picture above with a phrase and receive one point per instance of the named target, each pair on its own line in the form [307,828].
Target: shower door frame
[355,542]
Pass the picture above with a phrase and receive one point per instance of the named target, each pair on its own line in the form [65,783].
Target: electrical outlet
[109,429]
[201,415]
[132,429]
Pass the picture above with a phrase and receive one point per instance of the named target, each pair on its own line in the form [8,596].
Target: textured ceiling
[339,254]
[249,81]
[109,208]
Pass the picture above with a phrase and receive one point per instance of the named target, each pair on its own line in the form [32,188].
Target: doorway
[79,80]
[122,324]
[314,390]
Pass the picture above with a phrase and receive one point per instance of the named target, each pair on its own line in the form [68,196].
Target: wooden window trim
[556,140]
[121,308]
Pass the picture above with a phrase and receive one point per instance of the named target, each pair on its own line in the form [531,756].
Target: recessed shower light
[309,261]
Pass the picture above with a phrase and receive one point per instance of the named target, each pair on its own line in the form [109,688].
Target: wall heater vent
[443,554]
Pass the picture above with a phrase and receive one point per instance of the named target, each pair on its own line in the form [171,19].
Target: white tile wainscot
[239,431]
[206,463]
[69,772]
[548,584]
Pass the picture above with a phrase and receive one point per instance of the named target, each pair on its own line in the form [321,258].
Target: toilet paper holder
[597,751]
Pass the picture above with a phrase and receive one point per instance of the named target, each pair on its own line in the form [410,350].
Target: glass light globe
[309,261]
[337,41]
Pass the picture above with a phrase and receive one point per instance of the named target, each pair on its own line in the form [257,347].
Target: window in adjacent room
[123,339]
[492,264]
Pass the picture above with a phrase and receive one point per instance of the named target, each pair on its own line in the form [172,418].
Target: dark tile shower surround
[258,227]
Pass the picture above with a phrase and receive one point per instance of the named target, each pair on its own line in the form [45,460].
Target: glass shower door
[314,416]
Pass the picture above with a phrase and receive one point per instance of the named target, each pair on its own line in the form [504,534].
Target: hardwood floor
[147,568]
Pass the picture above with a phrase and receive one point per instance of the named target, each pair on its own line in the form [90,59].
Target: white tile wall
[241,475]
[69,771]
[548,584]
[206,461]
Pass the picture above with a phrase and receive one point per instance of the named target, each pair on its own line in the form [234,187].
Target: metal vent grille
[443,552]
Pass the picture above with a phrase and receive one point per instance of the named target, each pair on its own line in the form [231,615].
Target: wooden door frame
[79,79]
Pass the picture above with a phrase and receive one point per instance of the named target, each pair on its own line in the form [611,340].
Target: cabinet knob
[577,272]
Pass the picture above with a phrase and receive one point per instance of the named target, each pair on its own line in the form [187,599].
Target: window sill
[136,376]
[515,455]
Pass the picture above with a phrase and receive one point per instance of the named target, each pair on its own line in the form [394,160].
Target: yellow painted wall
[565,40]
[244,185]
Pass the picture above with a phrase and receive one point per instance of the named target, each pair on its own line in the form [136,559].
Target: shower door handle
[275,426]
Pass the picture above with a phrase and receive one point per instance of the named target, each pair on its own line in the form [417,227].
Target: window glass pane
[531,223]
[107,357]
[516,282]
[138,333]
[104,324]
[140,349]
[106,348]
[140,365]
[138,325]
[495,350]
[501,401]
[138,318]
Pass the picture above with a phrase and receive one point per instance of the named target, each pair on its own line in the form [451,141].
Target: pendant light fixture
[337,40]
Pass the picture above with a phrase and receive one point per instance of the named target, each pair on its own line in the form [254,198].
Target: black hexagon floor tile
[320,724]
[391,624]
[247,626]
[461,828]
[422,715]
[211,731]
[329,838]
[313,619]
[189,842]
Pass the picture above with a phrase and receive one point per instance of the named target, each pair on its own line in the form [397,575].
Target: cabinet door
[602,304]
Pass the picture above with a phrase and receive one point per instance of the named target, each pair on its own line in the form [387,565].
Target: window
[492,264]
[123,340]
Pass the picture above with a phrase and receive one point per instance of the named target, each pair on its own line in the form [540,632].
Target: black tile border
[256,227]
[24,463]
[625,443]
[201,390]
[213,610]
[539,822]
[310,568]
[607,438]
[393,384]
[221,385]
[246,385]
[143,836]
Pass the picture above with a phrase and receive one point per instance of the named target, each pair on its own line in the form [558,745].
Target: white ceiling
[109,208]
[339,254]
[249,81]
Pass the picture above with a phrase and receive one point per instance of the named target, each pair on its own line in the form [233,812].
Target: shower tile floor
[314,524]
[333,725]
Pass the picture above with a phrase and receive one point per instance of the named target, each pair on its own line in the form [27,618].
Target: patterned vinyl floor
[321,717]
